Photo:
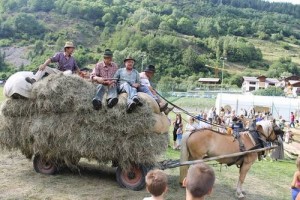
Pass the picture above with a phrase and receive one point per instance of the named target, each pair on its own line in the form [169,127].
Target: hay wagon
[58,126]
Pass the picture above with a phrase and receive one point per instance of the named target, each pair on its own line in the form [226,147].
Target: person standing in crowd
[295,185]
[176,124]
[179,136]
[102,74]
[66,63]
[292,124]
[129,83]
[191,125]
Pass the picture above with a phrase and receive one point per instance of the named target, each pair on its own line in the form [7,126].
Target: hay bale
[59,123]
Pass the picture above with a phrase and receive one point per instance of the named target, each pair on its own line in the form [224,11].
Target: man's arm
[43,66]
[137,80]
[95,75]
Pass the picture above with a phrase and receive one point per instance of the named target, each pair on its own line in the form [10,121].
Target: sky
[290,1]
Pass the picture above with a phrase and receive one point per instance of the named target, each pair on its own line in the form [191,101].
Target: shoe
[137,101]
[97,104]
[131,107]
[168,110]
[112,102]
[30,80]
[163,107]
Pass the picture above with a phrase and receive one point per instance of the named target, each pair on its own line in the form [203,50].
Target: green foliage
[270,91]
[28,24]
[283,65]
[41,5]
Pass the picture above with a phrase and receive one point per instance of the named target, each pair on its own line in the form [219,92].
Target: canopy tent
[278,106]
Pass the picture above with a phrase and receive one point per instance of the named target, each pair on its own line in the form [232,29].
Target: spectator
[179,136]
[199,181]
[191,126]
[156,184]
[292,124]
[295,186]
[176,124]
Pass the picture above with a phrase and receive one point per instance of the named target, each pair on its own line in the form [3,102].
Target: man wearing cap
[102,74]
[148,89]
[64,60]
[129,81]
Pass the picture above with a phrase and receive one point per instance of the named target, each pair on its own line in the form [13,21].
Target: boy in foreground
[199,181]
[156,184]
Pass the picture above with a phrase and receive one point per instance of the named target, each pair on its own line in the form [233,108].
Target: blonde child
[156,184]
[295,186]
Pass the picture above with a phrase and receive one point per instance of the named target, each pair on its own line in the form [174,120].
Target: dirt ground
[266,181]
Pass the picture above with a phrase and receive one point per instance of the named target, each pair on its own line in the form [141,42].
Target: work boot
[112,102]
[131,107]
[163,107]
[168,110]
[97,104]
[137,101]
[30,80]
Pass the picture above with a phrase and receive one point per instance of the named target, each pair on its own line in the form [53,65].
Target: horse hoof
[240,196]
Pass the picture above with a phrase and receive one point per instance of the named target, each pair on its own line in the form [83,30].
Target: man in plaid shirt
[102,74]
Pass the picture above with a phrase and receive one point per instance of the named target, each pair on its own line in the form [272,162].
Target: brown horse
[209,143]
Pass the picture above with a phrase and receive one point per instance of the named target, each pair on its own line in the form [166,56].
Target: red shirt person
[102,74]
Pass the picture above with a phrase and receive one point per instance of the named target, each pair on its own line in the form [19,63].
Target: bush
[270,91]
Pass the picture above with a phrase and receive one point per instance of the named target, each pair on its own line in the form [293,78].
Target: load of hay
[59,123]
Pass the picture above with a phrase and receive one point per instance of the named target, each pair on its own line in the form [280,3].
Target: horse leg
[184,156]
[243,172]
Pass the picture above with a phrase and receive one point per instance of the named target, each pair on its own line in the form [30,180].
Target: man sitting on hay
[65,61]
[129,81]
[102,74]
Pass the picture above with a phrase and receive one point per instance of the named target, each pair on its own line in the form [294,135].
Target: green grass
[197,103]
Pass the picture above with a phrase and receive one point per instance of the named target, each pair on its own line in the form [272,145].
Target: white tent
[278,106]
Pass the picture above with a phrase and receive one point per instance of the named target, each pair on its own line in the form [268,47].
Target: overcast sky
[290,1]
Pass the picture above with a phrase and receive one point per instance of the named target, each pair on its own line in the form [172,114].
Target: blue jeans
[295,192]
[131,92]
[111,92]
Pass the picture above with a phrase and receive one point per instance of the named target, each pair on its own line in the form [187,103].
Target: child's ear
[209,191]
[184,182]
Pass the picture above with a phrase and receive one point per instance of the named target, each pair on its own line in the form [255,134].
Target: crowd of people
[198,183]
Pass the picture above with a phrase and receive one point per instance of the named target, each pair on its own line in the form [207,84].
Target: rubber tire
[39,167]
[124,180]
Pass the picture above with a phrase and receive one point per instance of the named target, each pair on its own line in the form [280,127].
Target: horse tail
[184,156]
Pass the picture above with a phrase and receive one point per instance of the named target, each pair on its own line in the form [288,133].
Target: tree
[41,5]
[185,25]
[270,91]
[26,23]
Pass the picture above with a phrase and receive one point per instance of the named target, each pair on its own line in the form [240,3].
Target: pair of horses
[209,143]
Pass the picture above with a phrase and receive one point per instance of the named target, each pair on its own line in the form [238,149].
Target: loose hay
[59,123]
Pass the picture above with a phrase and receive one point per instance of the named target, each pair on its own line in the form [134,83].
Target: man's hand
[42,67]
[98,79]
[135,85]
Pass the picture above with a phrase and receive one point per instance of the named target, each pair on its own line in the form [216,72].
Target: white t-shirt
[147,198]
[203,125]
[144,79]
[190,127]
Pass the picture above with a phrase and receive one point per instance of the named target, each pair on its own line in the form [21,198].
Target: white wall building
[255,83]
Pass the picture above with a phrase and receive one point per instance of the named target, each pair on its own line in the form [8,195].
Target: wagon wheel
[133,178]
[44,166]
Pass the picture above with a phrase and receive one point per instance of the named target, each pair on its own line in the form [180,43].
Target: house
[291,85]
[256,83]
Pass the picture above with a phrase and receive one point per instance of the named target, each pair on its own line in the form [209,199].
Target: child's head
[156,182]
[298,163]
[200,180]
[180,125]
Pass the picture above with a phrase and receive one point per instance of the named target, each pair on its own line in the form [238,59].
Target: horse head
[267,130]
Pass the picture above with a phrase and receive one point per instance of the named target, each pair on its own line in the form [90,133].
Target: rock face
[59,122]
[16,56]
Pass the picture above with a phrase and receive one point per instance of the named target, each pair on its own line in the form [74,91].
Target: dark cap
[150,68]
[108,53]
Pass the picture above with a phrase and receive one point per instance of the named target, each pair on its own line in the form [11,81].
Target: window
[252,83]
[251,88]
[271,84]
